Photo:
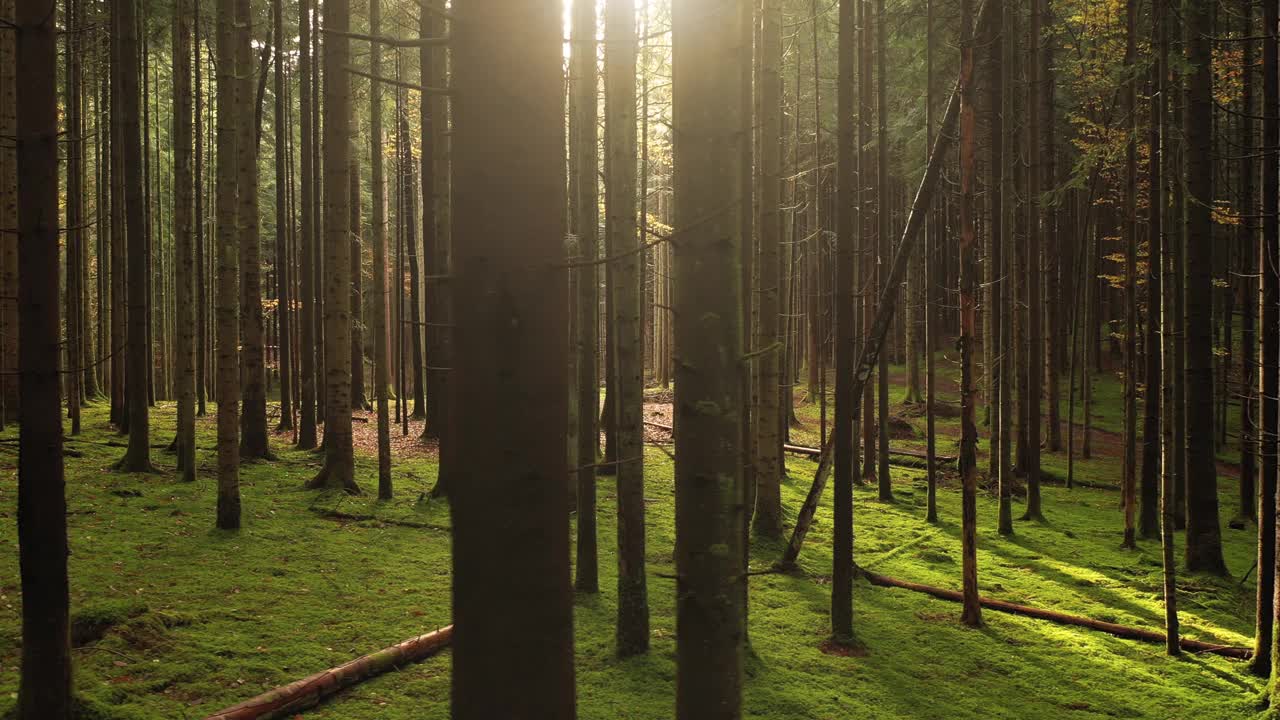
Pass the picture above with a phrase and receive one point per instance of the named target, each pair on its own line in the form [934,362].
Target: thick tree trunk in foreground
[707,55]
[44,690]
[228,302]
[510,509]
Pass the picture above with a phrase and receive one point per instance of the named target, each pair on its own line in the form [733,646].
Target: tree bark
[381,350]
[972,614]
[510,509]
[584,87]
[1204,533]
[628,350]
[228,305]
[767,520]
[339,459]
[253,371]
[44,686]
[308,236]
[1269,351]
[183,231]
[707,54]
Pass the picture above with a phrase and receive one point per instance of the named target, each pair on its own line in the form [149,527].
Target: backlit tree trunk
[707,58]
[184,231]
[510,509]
[228,300]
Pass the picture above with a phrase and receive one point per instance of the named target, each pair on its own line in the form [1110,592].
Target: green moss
[315,579]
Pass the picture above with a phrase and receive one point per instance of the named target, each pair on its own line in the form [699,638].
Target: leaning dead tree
[887,305]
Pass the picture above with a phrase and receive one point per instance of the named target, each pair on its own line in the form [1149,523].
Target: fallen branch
[308,692]
[815,452]
[1123,631]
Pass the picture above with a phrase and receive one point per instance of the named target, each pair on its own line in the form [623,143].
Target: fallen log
[1122,631]
[305,693]
[816,452]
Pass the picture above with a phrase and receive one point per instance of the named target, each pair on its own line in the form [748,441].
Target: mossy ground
[190,618]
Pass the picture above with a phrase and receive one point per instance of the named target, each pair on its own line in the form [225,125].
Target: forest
[545,359]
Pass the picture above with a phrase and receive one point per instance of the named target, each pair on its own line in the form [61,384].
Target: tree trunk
[358,401]
[1149,515]
[339,460]
[44,689]
[846,329]
[228,307]
[183,230]
[381,351]
[1269,380]
[584,87]
[1034,366]
[138,358]
[972,614]
[284,300]
[510,509]
[769,420]
[707,44]
[628,350]
[1204,534]
[1129,490]
[253,372]
[308,234]
[883,247]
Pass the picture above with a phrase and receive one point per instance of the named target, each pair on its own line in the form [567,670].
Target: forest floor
[174,619]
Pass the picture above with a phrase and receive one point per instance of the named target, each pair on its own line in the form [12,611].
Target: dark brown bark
[307,236]
[1269,385]
[339,458]
[284,299]
[381,349]
[972,614]
[510,509]
[184,250]
[846,328]
[1204,532]
[138,357]
[584,87]
[227,306]
[44,687]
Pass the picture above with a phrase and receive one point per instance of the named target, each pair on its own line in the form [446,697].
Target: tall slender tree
[843,431]
[628,348]
[339,454]
[44,687]
[308,318]
[584,85]
[253,369]
[137,457]
[972,614]
[1033,368]
[284,299]
[1129,488]
[381,349]
[183,235]
[1204,533]
[770,418]
[228,300]
[707,57]
[1269,350]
